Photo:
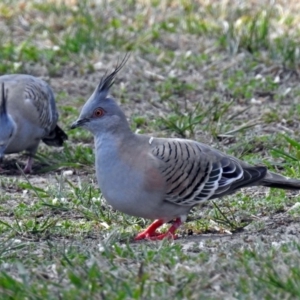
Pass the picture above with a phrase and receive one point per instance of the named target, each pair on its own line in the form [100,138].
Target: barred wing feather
[194,172]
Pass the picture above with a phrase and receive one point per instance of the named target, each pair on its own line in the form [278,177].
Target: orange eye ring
[98,112]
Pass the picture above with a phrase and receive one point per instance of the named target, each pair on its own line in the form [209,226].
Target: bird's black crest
[108,80]
[3,102]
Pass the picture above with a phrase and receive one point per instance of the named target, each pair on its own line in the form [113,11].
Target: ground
[224,73]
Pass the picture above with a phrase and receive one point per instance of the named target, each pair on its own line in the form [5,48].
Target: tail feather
[56,137]
[280,182]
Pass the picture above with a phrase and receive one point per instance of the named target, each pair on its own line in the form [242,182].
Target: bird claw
[27,170]
[151,234]
[28,167]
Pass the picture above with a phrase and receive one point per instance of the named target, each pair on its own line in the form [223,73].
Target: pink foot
[28,167]
[151,234]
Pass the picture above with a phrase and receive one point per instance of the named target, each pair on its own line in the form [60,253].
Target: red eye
[98,112]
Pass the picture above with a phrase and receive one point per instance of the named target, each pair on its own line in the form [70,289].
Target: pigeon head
[7,124]
[101,113]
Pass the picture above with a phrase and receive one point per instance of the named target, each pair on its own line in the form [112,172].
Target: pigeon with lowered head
[27,115]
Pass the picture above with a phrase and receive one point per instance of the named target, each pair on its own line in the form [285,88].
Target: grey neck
[112,139]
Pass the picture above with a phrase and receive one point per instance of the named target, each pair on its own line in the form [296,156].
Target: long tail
[56,137]
[280,182]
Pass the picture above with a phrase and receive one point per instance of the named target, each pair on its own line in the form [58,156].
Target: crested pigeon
[160,178]
[27,115]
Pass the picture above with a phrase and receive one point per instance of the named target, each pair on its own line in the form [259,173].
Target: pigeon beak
[78,123]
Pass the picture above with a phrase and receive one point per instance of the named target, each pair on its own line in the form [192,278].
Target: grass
[226,75]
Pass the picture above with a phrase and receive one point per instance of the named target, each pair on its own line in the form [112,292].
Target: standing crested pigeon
[27,115]
[160,178]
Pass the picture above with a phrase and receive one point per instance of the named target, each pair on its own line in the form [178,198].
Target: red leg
[150,230]
[151,234]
